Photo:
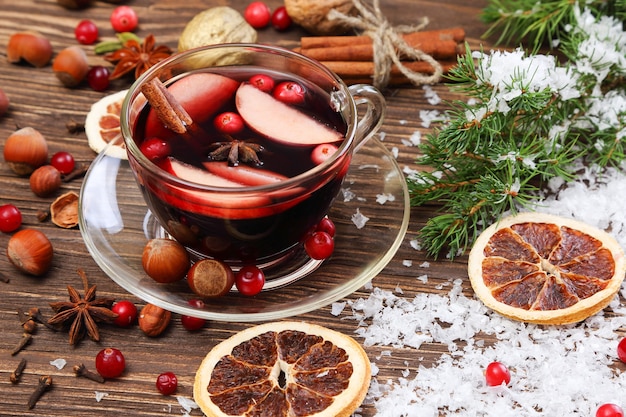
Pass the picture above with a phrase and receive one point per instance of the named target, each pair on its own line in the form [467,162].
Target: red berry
[98,78]
[621,350]
[229,123]
[63,162]
[155,149]
[280,19]
[249,280]
[326,225]
[110,363]
[124,19]
[10,218]
[320,245]
[610,410]
[126,313]
[289,92]
[263,82]
[322,152]
[193,323]
[86,32]
[497,374]
[257,14]
[167,383]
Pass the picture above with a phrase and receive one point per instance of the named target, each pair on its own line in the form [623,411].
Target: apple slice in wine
[278,121]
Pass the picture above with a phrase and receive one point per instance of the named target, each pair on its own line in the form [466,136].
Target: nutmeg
[71,66]
[30,251]
[45,181]
[29,46]
[312,15]
[153,320]
[25,150]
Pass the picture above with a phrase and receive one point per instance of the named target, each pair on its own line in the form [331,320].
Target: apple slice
[196,175]
[200,94]
[280,122]
[244,174]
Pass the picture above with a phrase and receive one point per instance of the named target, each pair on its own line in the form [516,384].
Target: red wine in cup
[262,226]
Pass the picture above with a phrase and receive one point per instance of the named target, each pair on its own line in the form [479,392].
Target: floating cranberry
[290,92]
[323,152]
[263,82]
[155,149]
[229,123]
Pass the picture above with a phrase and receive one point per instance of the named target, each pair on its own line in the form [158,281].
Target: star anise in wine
[137,56]
[82,312]
[236,151]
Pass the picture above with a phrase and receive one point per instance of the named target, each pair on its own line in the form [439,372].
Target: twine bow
[389,45]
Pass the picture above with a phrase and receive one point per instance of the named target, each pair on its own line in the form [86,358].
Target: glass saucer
[116,224]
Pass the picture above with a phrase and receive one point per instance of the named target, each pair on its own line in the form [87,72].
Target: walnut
[214,26]
[64,210]
[311,15]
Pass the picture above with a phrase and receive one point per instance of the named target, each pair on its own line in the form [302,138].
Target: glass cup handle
[374,115]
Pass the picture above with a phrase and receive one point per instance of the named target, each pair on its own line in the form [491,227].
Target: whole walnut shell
[312,15]
[216,25]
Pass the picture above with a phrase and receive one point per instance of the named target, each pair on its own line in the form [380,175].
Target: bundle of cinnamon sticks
[352,57]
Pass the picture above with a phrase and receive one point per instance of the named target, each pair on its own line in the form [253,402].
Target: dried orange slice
[286,368]
[545,269]
[102,125]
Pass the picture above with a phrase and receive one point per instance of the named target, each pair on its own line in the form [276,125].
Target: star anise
[236,151]
[137,56]
[83,312]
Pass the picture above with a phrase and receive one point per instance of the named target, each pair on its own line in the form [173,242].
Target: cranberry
[497,374]
[10,218]
[322,152]
[229,123]
[280,19]
[609,410]
[249,280]
[167,383]
[326,225]
[126,313]
[63,162]
[193,323]
[98,78]
[289,92]
[110,363]
[257,14]
[320,245]
[124,19]
[86,32]
[155,149]
[621,350]
[263,82]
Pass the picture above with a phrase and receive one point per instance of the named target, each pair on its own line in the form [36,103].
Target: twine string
[388,44]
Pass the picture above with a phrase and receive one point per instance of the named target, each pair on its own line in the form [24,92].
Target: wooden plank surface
[38,100]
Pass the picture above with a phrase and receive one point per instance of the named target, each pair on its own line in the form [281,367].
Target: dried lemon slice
[285,368]
[545,269]
[102,125]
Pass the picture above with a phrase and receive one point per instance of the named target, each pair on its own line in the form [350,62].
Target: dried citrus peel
[283,368]
[545,269]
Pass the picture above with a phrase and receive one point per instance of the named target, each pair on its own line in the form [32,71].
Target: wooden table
[39,100]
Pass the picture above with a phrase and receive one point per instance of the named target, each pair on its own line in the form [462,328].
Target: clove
[25,340]
[45,382]
[17,374]
[36,315]
[4,278]
[79,172]
[81,370]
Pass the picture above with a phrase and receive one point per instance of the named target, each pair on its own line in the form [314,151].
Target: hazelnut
[210,278]
[31,47]
[30,251]
[64,210]
[165,260]
[25,150]
[153,320]
[4,103]
[71,66]
[45,181]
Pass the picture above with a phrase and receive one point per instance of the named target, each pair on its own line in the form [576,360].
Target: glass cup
[262,223]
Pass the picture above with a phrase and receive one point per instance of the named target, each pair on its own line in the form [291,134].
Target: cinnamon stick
[437,48]
[364,69]
[167,108]
[456,34]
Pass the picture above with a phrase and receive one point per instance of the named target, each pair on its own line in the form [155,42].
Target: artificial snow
[100,395]
[359,219]
[59,363]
